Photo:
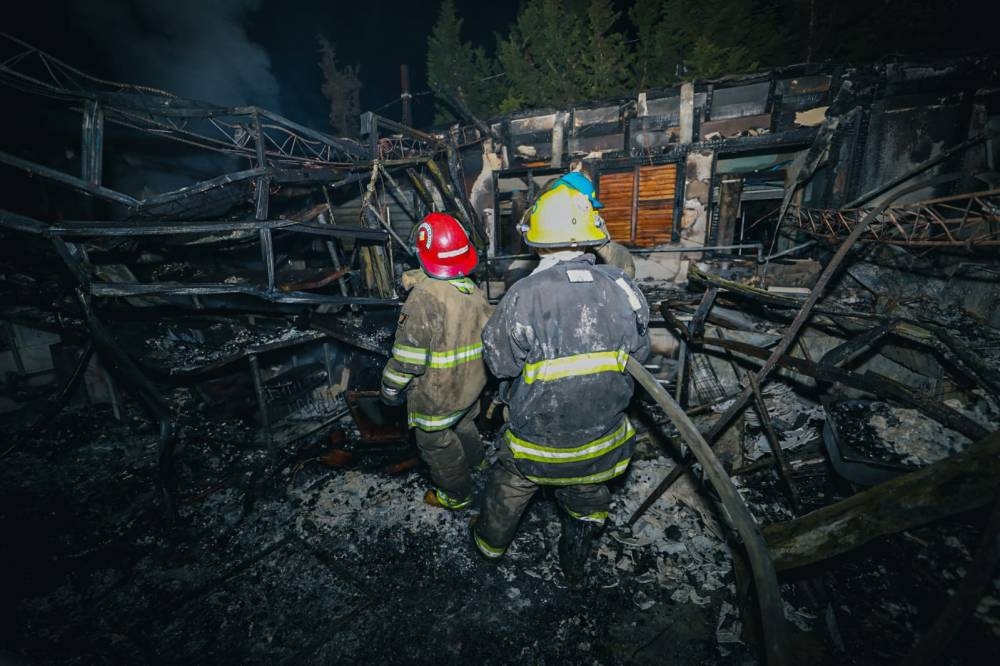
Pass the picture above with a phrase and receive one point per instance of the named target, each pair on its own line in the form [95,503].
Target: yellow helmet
[563,216]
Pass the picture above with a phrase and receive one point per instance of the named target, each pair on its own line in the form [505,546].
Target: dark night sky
[251,51]
[263,52]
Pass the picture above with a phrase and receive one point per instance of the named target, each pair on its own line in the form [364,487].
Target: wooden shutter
[639,204]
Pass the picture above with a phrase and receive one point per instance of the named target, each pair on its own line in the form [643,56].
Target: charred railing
[970,220]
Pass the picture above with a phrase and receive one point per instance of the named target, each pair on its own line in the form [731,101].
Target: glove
[392,396]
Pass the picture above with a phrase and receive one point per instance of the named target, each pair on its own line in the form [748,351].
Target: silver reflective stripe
[407,354]
[395,378]
[453,357]
[633,300]
[433,422]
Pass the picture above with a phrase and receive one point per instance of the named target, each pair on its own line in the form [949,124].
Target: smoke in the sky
[197,49]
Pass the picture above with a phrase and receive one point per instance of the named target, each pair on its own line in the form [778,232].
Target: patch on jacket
[402,318]
[577,275]
[633,300]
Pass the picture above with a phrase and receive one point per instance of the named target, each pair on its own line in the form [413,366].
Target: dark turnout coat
[437,355]
[563,335]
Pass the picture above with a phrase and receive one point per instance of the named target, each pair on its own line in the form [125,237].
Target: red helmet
[443,247]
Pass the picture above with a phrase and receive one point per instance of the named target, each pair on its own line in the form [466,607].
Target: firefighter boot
[442,500]
[575,543]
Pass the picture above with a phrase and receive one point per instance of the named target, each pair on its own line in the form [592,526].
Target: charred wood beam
[211,369]
[92,143]
[267,256]
[916,171]
[61,178]
[315,284]
[963,603]
[714,317]
[56,404]
[407,131]
[79,229]
[106,289]
[448,193]
[855,346]
[765,578]
[699,276]
[120,363]
[984,374]
[397,193]
[421,190]
[377,220]
[697,325]
[965,481]
[925,334]
[15,222]
[258,386]
[457,104]
[789,335]
[869,382]
[455,171]
[780,464]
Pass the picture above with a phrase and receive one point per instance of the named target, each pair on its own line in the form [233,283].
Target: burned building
[198,301]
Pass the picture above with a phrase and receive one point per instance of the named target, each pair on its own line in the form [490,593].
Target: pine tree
[343,88]
[608,61]
[688,39]
[459,69]
[559,52]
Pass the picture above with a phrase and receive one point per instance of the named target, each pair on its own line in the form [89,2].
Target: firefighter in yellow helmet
[561,337]
[610,252]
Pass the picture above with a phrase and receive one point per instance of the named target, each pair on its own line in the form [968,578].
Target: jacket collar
[563,256]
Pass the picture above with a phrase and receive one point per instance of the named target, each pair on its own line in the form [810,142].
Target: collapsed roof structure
[265,275]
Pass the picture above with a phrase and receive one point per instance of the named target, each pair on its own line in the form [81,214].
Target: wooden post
[404,95]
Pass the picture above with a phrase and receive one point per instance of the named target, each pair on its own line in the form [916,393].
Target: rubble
[270,510]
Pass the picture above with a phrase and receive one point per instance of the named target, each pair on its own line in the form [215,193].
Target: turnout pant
[450,453]
[508,494]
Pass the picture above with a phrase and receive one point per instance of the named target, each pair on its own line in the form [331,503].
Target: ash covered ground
[298,562]
[311,564]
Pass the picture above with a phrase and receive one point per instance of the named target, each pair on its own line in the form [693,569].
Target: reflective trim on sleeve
[590,478]
[411,355]
[431,422]
[452,357]
[393,378]
[523,449]
[574,366]
[597,517]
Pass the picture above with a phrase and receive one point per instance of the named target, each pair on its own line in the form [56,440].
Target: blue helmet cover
[581,184]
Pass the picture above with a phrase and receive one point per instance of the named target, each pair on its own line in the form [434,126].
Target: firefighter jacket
[437,355]
[563,334]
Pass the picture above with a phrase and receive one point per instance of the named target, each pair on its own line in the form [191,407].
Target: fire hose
[764,575]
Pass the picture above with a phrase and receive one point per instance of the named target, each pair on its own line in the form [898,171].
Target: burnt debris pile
[197,303]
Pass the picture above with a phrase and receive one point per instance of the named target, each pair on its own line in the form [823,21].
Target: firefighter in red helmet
[437,360]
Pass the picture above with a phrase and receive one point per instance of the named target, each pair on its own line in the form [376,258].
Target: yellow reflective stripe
[395,378]
[576,365]
[452,357]
[407,354]
[596,517]
[431,422]
[523,449]
[486,549]
[449,503]
[574,480]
